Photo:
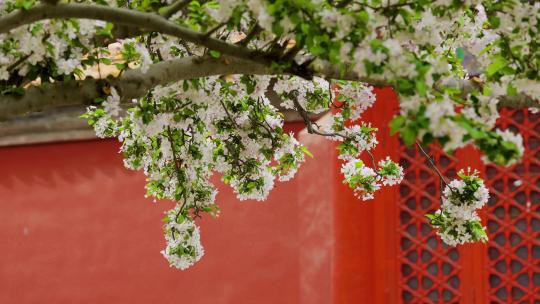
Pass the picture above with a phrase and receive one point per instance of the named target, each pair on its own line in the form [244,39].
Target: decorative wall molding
[63,124]
[60,125]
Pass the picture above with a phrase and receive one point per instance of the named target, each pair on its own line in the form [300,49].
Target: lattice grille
[429,269]
[513,215]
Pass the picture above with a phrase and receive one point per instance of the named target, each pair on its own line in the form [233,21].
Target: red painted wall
[75,227]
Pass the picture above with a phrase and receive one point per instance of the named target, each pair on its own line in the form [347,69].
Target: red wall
[76,228]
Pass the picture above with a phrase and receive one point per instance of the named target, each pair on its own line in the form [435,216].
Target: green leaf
[408,135]
[215,54]
[25,4]
[306,151]
[106,31]
[105,60]
[421,87]
[496,65]
[431,217]
[471,130]
[511,90]
[460,53]
[396,124]
[494,21]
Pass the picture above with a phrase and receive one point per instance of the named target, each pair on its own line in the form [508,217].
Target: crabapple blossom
[183,241]
[365,180]
[457,221]
[362,179]
[390,172]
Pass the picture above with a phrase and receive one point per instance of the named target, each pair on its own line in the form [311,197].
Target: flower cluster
[362,179]
[457,221]
[365,181]
[357,137]
[354,98]
[390,172]
[53,50]
[135,53]
[313,96]
[351,99]
[183,240]
[180,134]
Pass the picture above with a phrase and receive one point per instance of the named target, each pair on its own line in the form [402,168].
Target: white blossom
[362,179]
[513,138]
[112,104]
[183,243]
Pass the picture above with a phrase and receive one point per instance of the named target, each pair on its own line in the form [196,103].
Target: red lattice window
[513,218]
[429,269]
[402,260]
[509,264]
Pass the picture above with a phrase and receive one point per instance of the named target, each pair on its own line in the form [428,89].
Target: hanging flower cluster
[183,240]
[357,137]
[457,221]
[390,172]
[180,134]
[362,179]
[365,180]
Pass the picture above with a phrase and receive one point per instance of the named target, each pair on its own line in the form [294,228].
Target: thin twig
[214,29]
[308,123]
[432,164]
[256,29]
[18,62]
[174,8]
[372,159]
[228,114]
[176,167]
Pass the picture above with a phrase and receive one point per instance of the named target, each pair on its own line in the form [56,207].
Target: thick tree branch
[125,31]
[149,21]
[132,84]
[326,70]
[518,101]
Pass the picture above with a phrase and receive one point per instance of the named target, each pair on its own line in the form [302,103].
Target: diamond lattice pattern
[513,218]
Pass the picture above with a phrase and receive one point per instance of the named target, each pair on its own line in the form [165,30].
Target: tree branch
[466,86]
[431,163]
[149,21]
[518,101]
[132,84]
[174,8]
[128,31]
